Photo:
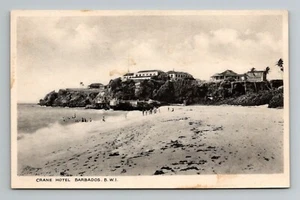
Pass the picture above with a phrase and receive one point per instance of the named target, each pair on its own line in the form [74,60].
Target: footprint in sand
[158,172]
[267,159]
[215,157]
[189,168]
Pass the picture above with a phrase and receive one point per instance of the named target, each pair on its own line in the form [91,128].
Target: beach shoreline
[188,141]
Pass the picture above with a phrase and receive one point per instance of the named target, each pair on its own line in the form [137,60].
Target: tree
[280,64]
[252,70]
[267,70]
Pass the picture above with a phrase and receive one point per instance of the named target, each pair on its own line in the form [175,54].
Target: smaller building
[256,76]
[175,75]
[147,74]
[143,75]
[228,74]
[96,86]
[128,76]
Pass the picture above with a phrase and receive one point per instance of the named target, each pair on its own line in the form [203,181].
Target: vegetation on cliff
[185,91]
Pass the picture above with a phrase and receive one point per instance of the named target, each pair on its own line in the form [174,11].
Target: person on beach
[168,109]
[143,112]
[172,109]
[103,118]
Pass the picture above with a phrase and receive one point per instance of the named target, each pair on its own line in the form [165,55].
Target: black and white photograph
[149,99]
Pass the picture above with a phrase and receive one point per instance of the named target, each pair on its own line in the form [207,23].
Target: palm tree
[280,64]
[252,70]
[267,70]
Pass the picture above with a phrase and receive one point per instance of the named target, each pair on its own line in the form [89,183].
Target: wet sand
[191,140]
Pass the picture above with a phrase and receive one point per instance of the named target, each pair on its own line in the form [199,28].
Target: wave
[58,136]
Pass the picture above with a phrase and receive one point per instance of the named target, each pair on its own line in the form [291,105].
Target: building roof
[256,71]
[176,72]
[226,73]
[172,72]
[255,74]
[143,71]
[128,74]
[217,74]
[96,84]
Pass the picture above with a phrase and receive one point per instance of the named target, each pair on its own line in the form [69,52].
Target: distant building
[256,76]
[96,86]
[175,75]
[147,74]
[142,75]
[252,76]
[128,76]
[225,75]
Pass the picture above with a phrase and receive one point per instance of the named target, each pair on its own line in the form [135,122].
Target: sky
[60,52]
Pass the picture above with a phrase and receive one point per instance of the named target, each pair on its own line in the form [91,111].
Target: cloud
[57,52]
[225,36]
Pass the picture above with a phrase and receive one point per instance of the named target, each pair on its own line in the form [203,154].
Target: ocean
[43,128]
[32,117]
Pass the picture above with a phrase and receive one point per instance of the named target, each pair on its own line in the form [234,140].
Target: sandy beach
[191,140]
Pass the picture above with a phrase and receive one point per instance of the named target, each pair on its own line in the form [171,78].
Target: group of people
[83,119]
[79,119]
[76,119]
[151,111]
[172,110]
[155,110]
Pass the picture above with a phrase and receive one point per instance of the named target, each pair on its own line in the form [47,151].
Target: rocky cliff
[70,98]
[137,95]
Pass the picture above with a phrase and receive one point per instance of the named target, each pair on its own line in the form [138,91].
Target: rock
[48,99]
[69,98]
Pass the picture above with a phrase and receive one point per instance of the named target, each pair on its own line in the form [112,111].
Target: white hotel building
[148,74]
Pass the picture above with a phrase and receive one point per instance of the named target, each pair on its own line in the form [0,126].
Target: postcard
[149,99]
